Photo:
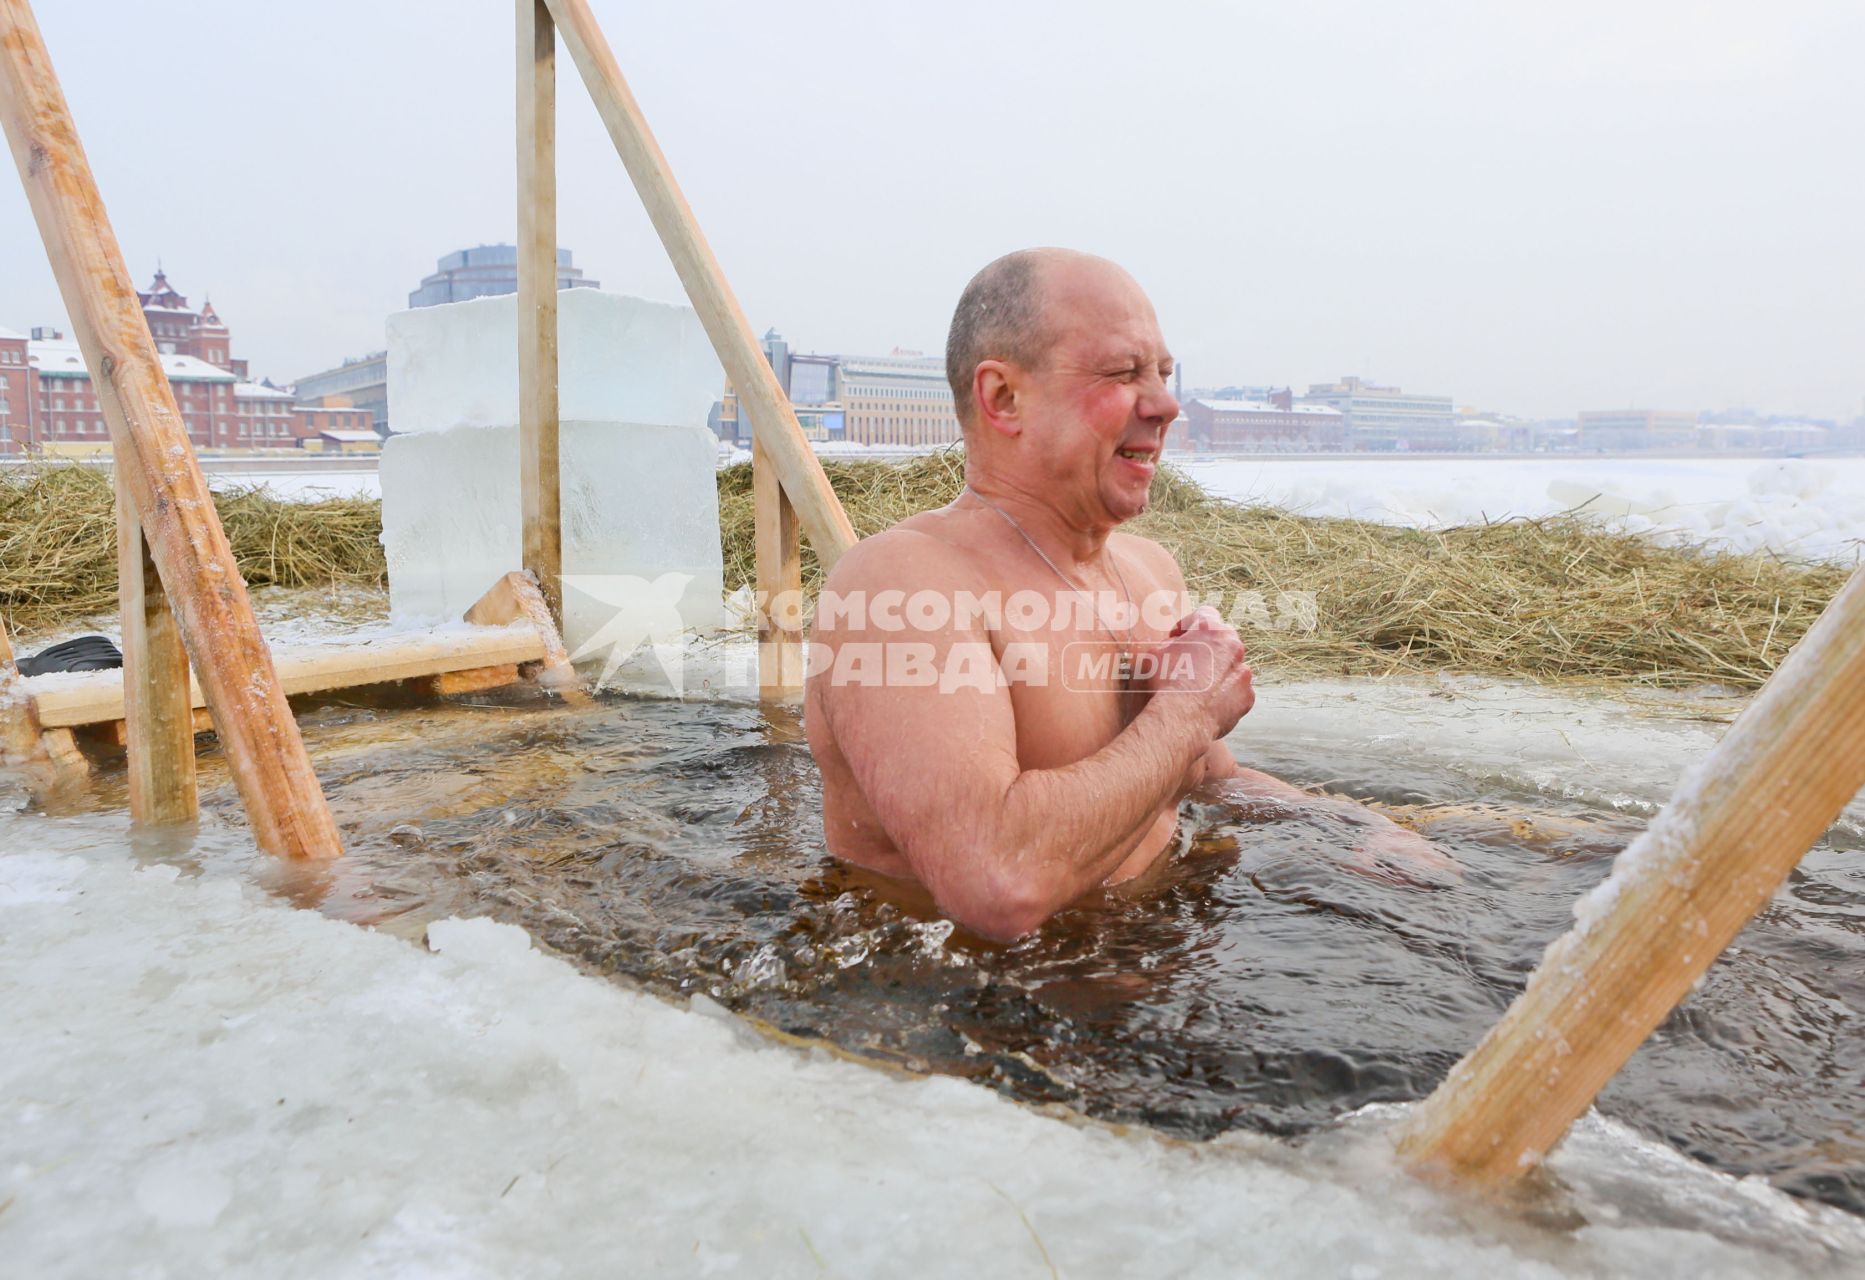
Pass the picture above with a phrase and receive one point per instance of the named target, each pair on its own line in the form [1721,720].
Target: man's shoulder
[910,554]
[1145,552]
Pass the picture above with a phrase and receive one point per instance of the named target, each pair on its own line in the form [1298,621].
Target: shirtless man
[1017,776]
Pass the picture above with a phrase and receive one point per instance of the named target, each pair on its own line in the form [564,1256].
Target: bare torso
[1057,722]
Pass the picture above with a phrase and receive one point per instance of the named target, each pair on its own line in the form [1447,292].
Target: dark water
[1256,983]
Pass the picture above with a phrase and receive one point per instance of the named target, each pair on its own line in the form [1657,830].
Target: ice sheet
[198,1080]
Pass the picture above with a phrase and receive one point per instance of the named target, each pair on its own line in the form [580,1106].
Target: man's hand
[1388,851]
[1202,663]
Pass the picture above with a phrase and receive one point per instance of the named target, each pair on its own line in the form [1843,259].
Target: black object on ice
[83,653]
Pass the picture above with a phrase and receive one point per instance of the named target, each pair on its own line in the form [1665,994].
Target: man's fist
[1203,662]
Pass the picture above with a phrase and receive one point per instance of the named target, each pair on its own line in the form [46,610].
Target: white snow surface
[198,1080]
[1804,508]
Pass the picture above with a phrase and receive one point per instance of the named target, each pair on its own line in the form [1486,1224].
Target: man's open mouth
[1136,455]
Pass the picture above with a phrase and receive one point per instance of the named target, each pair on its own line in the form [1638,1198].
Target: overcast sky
[1533,208]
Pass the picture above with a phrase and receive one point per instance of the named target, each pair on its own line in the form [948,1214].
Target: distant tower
[210,340]
[777,351]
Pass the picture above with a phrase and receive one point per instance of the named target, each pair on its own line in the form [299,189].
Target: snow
[1263,406]
[61,357]
[308,481]
[259,391]
[200,1080]
[1806,508]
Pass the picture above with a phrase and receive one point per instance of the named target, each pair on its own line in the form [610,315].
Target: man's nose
[1157,403]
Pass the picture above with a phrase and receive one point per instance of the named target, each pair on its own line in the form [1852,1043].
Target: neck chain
[1125,638]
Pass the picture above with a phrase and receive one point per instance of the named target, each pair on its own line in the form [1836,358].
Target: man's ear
[994,391]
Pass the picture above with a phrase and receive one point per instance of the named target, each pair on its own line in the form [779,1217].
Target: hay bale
[58,542]
[1557,599]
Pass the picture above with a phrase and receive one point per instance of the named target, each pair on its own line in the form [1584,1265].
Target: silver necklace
[1125,639]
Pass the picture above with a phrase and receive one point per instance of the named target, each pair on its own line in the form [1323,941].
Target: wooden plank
[539,467]
[158,718]
[264,751]
[89,697]
[779,555]
[516,598]
[1676,897]
[773,421]
[471,680]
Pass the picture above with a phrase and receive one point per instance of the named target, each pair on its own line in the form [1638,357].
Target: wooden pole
[773,421]
[158,709]
[780,581]
[1676,897]
[539,474]
[154,462]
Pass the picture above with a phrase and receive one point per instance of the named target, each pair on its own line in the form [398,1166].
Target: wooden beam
[780,581]
[471,680]
[1676,897]
[773,421]
[115,733]
[264,751]
[539,473]
[92,697]
[157,710]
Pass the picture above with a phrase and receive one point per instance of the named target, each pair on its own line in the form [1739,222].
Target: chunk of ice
[619,359]
[639,503]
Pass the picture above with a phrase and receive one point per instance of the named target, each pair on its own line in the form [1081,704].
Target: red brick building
[1276,425]
[48,405]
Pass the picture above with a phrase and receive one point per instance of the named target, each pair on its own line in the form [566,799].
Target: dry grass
[1553,600]
[58,547]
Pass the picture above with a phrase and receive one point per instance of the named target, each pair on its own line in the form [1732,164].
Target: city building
[1272,425]
[487,270]
[54,408]
[1771,436]
[360,382]
[1385,419]
[1620,430]
[17,393]
[897,399]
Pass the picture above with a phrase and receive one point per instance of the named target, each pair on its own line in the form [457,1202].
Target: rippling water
[1255,982]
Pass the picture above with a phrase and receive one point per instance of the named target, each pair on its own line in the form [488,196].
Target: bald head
[1003,315]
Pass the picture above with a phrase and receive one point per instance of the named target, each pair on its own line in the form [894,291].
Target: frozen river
[1803,508]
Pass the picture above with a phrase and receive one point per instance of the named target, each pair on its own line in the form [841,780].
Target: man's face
[1101,402]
